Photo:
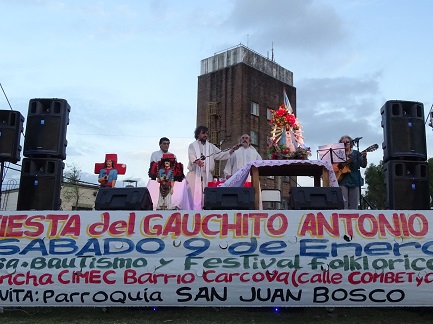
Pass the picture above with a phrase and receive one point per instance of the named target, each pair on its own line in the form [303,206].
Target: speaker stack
[229,198]
[405,155]
[44,150]
[11,127]
[316,198]
[131,198]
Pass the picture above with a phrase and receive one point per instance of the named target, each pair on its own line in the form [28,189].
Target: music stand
[334,153]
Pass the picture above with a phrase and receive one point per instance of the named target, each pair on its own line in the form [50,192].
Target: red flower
[281,112]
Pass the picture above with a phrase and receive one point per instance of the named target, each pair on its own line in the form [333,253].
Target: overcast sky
[129,69]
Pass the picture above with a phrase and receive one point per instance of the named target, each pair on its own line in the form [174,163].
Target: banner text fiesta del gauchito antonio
[216,258]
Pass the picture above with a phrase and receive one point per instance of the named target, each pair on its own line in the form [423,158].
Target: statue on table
[167,171]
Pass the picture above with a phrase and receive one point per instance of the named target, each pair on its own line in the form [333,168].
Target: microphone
[356,140]
[201,158]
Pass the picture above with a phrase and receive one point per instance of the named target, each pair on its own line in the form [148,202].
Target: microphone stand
[356,141]
[204,181]
[1,178]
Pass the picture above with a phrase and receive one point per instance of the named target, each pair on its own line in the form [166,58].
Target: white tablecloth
[180,198]
[239,178]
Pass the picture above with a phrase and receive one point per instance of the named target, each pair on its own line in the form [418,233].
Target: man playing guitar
[349,174]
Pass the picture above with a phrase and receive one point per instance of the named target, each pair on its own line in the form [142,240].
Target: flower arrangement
[277,151]
[281,117]
[286,132]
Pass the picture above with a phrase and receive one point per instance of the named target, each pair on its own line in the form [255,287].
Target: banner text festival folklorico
[219,258]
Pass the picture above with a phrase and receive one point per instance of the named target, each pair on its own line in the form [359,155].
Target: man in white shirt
[164,144]
[246,153]
[202,156]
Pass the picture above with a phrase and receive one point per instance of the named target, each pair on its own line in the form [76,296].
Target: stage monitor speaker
[316,198]
[229,198]
[40,184]
[11,127]
[404,131]
[47,121]
[407,185]
[128,198]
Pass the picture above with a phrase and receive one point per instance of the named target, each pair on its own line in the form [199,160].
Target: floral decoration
[286,141]
[283,118]
[277,151]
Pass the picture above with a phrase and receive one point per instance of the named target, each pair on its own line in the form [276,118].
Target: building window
[254,108]
[268,114]
[254,138]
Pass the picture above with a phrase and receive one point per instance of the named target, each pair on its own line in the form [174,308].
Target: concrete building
[80,197]
[237,88]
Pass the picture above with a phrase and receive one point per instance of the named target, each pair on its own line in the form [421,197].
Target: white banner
[216,258]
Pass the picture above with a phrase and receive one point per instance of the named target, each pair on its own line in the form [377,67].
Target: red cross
[120,167]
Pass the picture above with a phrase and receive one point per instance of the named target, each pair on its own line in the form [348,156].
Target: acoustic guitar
[344,167]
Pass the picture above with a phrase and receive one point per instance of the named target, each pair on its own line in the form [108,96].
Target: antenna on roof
[272,51]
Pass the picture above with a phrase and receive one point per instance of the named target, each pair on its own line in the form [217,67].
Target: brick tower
[237,88]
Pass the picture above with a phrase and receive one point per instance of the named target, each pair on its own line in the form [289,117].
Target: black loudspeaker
[136,198]
[407,185]
[404,131]
[316,198]
[11,127]
[230,198]
[47,121]
[40,184]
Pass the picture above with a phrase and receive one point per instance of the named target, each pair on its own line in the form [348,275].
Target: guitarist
[351,181]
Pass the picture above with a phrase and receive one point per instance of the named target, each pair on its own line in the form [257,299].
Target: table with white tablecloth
[181,198]
[322,172]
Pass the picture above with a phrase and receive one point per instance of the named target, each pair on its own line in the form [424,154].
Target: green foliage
[430,178]
[71,180]
[376,191]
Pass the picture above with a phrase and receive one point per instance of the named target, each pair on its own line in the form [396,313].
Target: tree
[71,181]
[430,178]
[376,190]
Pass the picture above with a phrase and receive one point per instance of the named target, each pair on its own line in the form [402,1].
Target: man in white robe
[201,157]
[246,153]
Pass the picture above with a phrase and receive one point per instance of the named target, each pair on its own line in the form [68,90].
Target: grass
[189,315]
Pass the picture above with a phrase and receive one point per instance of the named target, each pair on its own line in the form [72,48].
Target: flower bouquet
[277,151]
[286,141]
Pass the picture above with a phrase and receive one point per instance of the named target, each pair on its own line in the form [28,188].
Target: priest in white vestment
[246,153]
[202,156]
